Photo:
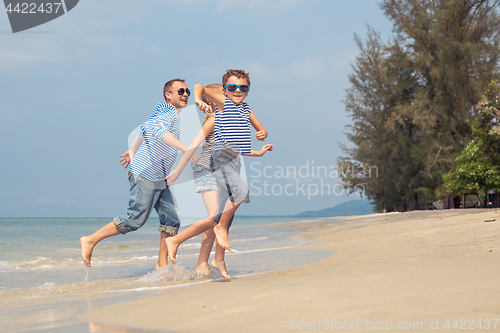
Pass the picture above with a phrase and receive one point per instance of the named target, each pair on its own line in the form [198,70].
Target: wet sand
[414,271]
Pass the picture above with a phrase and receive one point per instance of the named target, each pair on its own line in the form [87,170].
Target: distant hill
[353,207]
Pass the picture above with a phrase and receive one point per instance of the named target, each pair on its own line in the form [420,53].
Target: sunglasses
[181,91]
[244,88]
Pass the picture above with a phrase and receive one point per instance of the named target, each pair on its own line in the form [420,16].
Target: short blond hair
[216,88]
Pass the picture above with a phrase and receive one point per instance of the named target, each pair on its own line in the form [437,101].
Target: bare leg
[210,199]
[87,243]
[163,254]
[221,228]
[218,263]
[202,268]
[191,231]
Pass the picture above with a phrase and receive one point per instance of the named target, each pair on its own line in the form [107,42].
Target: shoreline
[422,267]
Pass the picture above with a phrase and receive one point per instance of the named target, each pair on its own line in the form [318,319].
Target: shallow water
[44,284]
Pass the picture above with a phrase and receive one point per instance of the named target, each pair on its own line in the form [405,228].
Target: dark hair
[168,86]
[241,74]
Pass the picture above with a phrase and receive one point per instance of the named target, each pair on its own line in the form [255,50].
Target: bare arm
[128,156]
[208,127]
[261,152]
[261,134]
[217,98]
[171,140]
[136,145]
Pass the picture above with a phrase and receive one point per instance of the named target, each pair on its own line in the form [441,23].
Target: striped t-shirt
[208,147]
[232,128]
[154,159]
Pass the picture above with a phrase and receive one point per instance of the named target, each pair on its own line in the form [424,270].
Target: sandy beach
[415,271]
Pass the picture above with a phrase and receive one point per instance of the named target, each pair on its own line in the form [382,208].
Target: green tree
[474,174]
[477,166]
[410,99]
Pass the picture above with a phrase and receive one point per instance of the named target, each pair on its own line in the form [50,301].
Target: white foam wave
[43,263]
[104,261]
[263,250]
[171,286]
[245,240]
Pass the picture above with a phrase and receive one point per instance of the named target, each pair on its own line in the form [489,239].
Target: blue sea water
[41,266]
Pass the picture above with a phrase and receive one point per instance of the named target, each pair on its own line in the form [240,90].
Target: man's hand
[126,158]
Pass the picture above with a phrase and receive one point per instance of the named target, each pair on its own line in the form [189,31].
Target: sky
[73,90]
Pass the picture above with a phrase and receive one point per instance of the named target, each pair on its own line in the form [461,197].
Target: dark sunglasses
[244,88]
[181,91]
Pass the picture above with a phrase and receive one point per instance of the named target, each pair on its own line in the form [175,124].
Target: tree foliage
[410,97]
[477,165]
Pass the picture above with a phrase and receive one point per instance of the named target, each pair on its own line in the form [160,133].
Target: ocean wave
[107,261]
[245,240]
[267,249]
[43,263]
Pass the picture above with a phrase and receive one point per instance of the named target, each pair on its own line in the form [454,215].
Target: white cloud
[27,53]
[223,5]
[8,113]
[319,67]
[51,201]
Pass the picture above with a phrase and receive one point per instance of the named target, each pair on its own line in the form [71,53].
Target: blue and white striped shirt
[232,128]
[154,159]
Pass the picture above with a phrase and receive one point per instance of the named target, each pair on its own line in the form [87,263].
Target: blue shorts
[203,179]
[226,170]
[144,195]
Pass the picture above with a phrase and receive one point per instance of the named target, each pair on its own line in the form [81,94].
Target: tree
[474,174]
[477,166]
[410,98]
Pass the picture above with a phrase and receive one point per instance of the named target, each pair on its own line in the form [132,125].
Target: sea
[44,284]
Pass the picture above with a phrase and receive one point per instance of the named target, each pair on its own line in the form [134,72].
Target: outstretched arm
[207,128]
[128,156]
[261,134]
[171,140]
[261,152]
[217,98]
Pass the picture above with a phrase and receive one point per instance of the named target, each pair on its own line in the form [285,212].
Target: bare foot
[202,270]
[221,267]
[172,249]
[87,249]
[158,267]
[222,238]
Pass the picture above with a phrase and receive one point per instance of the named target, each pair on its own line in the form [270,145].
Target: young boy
[152,155]
[232,139]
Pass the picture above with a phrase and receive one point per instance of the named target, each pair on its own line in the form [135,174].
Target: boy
[152,155]
[232,139]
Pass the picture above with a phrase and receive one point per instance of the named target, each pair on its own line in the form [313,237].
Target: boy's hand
[194,159]
[172,177]
[126,158]
[261,135]
[202,105]
[264,149]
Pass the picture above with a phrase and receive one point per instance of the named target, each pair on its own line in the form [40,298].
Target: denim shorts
[144,195]
[226,170]
[203,179]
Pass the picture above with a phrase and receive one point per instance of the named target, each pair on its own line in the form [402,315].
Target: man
[149,161]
